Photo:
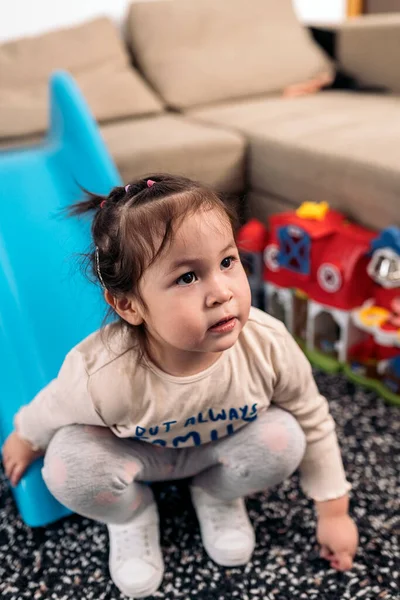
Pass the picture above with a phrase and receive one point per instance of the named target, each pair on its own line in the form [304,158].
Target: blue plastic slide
[46,304]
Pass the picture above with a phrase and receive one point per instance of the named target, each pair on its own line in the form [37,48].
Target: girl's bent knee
[283,438]
[80,464]
[292,455]
[297,437]
[54,473]
[280,429]
[56,459]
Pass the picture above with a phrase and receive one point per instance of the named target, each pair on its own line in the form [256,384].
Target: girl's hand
[338,537]
[18,454]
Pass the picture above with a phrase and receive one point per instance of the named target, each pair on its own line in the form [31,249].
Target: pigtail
[91,203]
[94,202]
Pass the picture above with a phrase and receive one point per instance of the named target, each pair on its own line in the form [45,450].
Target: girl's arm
[322,473]
[64,401]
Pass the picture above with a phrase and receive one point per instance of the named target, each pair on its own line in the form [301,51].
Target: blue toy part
[394,364]
[388,238]
[294,249]
[46,304]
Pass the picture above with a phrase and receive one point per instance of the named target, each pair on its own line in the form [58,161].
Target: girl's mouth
[224,326]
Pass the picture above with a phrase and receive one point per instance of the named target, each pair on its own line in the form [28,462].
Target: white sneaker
[227,534]
[136,563]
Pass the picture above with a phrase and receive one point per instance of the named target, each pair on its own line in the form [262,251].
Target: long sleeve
[322,473]
[64,401]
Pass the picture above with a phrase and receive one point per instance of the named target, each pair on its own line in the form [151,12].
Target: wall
[321,11]
[29,17]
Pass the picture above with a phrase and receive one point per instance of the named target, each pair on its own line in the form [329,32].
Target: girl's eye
[186,279]
[227,262]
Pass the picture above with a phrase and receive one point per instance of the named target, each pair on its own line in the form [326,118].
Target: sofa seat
[173,144]
[336,146]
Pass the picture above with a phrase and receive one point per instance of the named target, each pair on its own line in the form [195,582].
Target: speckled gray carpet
[69,559]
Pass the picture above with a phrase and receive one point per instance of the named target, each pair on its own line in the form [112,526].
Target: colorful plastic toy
[46,305]
[336,286]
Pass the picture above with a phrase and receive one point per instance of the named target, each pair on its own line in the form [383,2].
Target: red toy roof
[334,242]
[332,222]
[346,247]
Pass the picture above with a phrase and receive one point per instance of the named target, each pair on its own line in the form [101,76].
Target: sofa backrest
[368,48]
[196,52]
[93,53]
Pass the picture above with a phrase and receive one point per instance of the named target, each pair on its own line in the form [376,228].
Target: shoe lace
[131,543]
[227,515]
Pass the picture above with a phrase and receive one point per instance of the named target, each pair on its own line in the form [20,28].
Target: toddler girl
[189,382]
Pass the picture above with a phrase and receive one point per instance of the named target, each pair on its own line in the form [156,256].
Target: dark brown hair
[127,227]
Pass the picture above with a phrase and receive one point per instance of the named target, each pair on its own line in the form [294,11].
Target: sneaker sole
[139,592]
[221,558]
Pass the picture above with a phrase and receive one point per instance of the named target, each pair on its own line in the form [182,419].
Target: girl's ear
[127,308]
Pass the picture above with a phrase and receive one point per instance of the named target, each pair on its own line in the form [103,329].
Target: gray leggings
[98,475]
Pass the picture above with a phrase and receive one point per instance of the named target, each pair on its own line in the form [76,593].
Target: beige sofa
[204,99]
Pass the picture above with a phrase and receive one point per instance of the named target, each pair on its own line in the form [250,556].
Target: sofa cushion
[340,147]
[173,144]
[202,51]
[93,53]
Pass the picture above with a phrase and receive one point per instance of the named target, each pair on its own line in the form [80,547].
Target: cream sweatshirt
[105,385]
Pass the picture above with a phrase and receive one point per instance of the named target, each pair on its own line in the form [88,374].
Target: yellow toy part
[372,316]
[300,294]
[315,211]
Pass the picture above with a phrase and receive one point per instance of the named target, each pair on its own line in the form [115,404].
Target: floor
[69,559]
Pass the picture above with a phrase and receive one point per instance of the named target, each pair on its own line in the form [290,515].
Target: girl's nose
[219,293]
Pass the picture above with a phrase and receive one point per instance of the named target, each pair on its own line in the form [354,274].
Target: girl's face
[197,283]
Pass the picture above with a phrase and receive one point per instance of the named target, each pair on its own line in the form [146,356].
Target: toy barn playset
[335,285]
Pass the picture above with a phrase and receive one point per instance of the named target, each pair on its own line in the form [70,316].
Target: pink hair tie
[102,203]
[150,182]
[127,187]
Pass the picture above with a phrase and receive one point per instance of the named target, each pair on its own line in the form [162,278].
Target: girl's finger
[10,472]
[342,562]
[16,474]
[8,467]
[326,553]
[6,460]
